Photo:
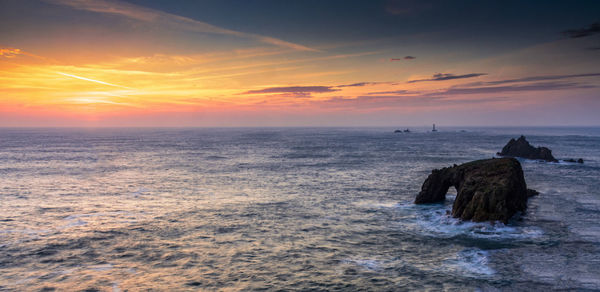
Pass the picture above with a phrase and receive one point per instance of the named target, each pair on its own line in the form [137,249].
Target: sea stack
[487,190]
[522,148]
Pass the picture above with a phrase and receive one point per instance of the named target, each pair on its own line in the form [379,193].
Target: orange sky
[142,69]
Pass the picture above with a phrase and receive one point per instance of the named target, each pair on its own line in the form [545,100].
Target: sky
[222,63]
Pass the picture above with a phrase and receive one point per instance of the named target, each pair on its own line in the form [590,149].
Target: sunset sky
[299,63]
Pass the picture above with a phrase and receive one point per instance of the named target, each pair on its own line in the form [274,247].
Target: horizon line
[249,127]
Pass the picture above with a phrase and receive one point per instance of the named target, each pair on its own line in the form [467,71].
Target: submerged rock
[531,193]
[487,190]
[573,160]
[522,148]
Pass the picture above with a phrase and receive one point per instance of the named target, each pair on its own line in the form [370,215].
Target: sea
[285,209]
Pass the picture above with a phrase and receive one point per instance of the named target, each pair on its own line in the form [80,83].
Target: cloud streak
[405,58]
[361,84]
[143,14]
[589,30]
[399,101]
[9,52]
[542,78]
[472,89]
[540,86]
[399,92]
[293,89]
[91,80]
[447,76]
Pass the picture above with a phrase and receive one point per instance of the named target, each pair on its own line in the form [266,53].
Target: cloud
[484,88]
[399,101]
[594,48]
[366,83]
[358,84]
[91,80]
[542,78]
[589,30]
[293,89]
[171,20]
[9,52]
[402,92]
[447,76]
[361,84]
[293,94]
[540,86]
[445,97]
[405,58]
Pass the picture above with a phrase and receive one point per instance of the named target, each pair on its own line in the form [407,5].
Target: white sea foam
[115,287]
[140,191]
[76,220]
[471,262]
[435,220]
[100,214]
[100,268]
[74,223]
[365,264]
[26,231]
[375,204]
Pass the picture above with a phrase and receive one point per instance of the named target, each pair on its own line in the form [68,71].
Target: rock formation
[580,160]
[522,148]
[487,190]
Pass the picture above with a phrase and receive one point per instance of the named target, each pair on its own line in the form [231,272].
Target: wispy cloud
[398,92]
[95,100]
[91,80]
[399,101]
[358,84]
[542,78]
[492,87]
[293,89]
[144,14]
[540,86]
[361,84]
[405,58]
[447,76]
[9,52]
[589,30]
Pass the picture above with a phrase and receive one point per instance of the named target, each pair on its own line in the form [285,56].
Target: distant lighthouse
[433,130]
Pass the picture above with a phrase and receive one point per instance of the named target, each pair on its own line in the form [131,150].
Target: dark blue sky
[336,20]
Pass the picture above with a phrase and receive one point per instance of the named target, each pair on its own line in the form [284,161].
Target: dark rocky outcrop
[487,190]
[573,160]
[522,148]
[531,193]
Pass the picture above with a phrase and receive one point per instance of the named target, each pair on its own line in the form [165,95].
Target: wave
[471,262]
[436,220]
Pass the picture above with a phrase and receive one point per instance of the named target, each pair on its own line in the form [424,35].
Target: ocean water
[285,209]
